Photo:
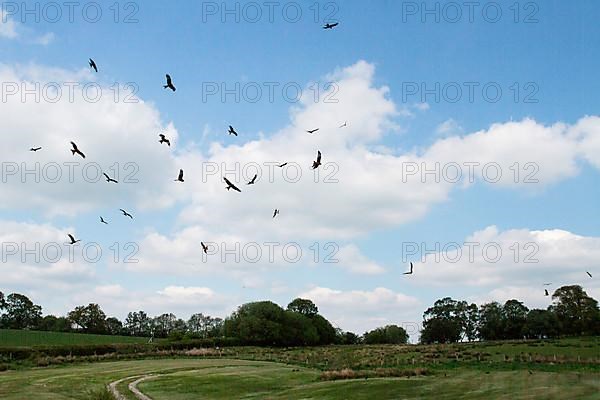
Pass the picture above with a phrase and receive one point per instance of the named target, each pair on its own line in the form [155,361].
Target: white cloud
[117,137]
[448,128]
[525,258]
[350,258]
[362,310]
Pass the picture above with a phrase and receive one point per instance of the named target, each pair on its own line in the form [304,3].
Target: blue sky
[555,60]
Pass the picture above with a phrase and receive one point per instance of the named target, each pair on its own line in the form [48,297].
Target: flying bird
[590,275]
[231,185]
[409,272]
[312,131]
[253,181]
[318,162]
[275,213]
[180,177]
[283,165]
[204,247]
[73,241]
[34,149]
[125,213]
[344,125]
[546,292]
[163,139]
[75,150]
[109,179]
[232,131]
[547,284]
[169,84]
[93,65]
[103,221]
[331,26]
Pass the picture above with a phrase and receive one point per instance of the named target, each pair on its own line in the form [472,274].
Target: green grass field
[215,379]
[16,338]
[553,369]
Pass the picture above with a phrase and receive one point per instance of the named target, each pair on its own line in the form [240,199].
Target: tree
[114,326]
[258,323]
[514,315]
[138,324]
[444,322]
[298,330]
[20,312]
[90,318]
[2,302]
[54,324]
[577,313]
[164,324]
[491,321]
[390,334]
[541,324]
[304,307]
[325,330]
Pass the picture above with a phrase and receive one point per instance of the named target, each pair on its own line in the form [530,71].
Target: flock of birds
[230,185]
[180,177]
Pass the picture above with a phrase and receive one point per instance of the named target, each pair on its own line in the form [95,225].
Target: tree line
[256,323]
[265,323]
[572,313]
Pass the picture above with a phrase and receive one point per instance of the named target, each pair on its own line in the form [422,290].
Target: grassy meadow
[24,338]
[544,369]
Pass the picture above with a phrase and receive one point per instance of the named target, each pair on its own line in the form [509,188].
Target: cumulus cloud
[118,137]
[361,310]
[514,257]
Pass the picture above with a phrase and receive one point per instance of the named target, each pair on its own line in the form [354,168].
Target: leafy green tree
[298,330]
[390,334]
[54,324]
[113,326]
[577,313]
[444,322]
[541,324]
[164,324]
[325,330]
[90,318]
[491,321]
[258,323]
[20,312]
[514,314]
[138,324]
[304,307]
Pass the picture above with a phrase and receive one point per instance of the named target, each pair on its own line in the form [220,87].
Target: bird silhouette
[318,162]
[283,165]
[163,139]
[93,65]
[73,241]
[109,179]
[204,247]
[34,149]
[344,125]
[125,213]
[547,284]
[180,177]
[169,84]
[312,131]
[231,185]
[232,131]
[103,221]
[253,181]
[590,275]
[75,150]
[409,272]
[275,213]
[331,26]
[546,292]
